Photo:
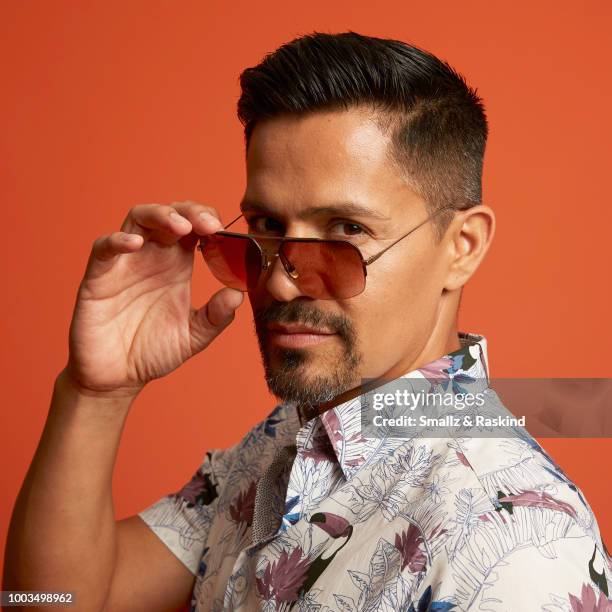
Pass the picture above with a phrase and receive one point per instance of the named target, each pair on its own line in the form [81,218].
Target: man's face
[325,159]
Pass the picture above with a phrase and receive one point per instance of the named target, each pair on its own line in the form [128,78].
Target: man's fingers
[106,248]
[169,223]
[165,224]
[204,219]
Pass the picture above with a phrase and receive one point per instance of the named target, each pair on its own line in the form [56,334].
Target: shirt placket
[273,495]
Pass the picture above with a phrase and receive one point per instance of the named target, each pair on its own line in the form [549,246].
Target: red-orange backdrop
[107,104]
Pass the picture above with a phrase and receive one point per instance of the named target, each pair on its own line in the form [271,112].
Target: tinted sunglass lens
[233,260]
[325,270]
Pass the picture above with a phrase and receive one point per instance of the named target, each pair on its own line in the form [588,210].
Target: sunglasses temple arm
[377,255]
[234,221]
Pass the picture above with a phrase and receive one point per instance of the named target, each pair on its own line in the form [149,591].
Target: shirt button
[240,583]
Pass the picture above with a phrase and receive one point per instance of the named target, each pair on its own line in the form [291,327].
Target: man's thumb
[214,316]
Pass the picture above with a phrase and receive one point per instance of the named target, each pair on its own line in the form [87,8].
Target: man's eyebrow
[342,208]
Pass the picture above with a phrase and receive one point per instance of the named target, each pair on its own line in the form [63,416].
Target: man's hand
[133,319]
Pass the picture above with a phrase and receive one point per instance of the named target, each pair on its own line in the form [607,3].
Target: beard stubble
[294,374]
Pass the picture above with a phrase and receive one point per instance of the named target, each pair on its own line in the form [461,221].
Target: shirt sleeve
[182,520]
[570,574]
[556,567]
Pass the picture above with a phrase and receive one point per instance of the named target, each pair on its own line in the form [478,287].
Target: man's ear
[469,237]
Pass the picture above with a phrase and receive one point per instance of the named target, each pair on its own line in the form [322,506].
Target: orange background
[106,105]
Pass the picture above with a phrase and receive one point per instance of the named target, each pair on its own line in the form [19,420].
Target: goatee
[287,379]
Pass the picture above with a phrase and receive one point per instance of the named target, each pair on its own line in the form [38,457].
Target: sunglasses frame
[265,256]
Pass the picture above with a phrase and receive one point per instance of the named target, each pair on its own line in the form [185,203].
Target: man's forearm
[62,532]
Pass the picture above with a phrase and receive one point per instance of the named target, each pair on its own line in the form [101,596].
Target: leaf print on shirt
[290,518]
[242,507]
[588,601]
[267,426]
[470,505]
[456,381]
[309,482]
[345,436]
[436,372]
[459,456]
[436,488]
[408,542]
[200,490]
[376,495]
[462,360]
[281,579]
[463,459]
[534,499]
[383,587]
[321,449]
[413,463]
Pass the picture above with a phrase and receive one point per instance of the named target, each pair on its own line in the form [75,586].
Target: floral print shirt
[347,523]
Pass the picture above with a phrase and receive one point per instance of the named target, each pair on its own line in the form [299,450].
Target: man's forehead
[327,137]
[325,163]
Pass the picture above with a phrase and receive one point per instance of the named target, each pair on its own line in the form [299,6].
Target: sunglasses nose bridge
[267,259]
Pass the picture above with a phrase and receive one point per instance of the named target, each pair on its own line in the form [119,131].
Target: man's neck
[452,344]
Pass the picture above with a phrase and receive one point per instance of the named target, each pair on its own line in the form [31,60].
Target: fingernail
[179,219]
[211,219]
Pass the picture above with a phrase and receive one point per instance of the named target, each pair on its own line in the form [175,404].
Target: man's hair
[438,123]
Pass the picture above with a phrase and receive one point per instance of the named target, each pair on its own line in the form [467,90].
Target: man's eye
[261,225]
[351,229]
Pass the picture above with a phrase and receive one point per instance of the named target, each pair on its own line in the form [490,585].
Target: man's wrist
[120,399]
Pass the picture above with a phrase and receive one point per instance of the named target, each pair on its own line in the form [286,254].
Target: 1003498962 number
[40,598]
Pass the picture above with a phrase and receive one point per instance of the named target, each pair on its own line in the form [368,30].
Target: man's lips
[297,328]
[294,335]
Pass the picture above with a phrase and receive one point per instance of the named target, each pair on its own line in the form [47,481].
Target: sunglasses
[321,269]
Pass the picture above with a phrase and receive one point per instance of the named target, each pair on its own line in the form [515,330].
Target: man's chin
[307,384]
[305,396]
[307,376]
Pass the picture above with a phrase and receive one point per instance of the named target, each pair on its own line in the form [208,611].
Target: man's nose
[278,282]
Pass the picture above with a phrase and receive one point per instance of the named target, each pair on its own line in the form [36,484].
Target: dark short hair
[439,127]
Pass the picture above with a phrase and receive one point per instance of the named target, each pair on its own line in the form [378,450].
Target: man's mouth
[294,335]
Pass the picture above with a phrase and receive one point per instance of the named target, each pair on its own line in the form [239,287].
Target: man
[370,152]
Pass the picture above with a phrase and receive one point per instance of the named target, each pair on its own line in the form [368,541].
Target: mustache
[299,312]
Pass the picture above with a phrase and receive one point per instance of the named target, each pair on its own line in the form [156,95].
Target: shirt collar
[337,431]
